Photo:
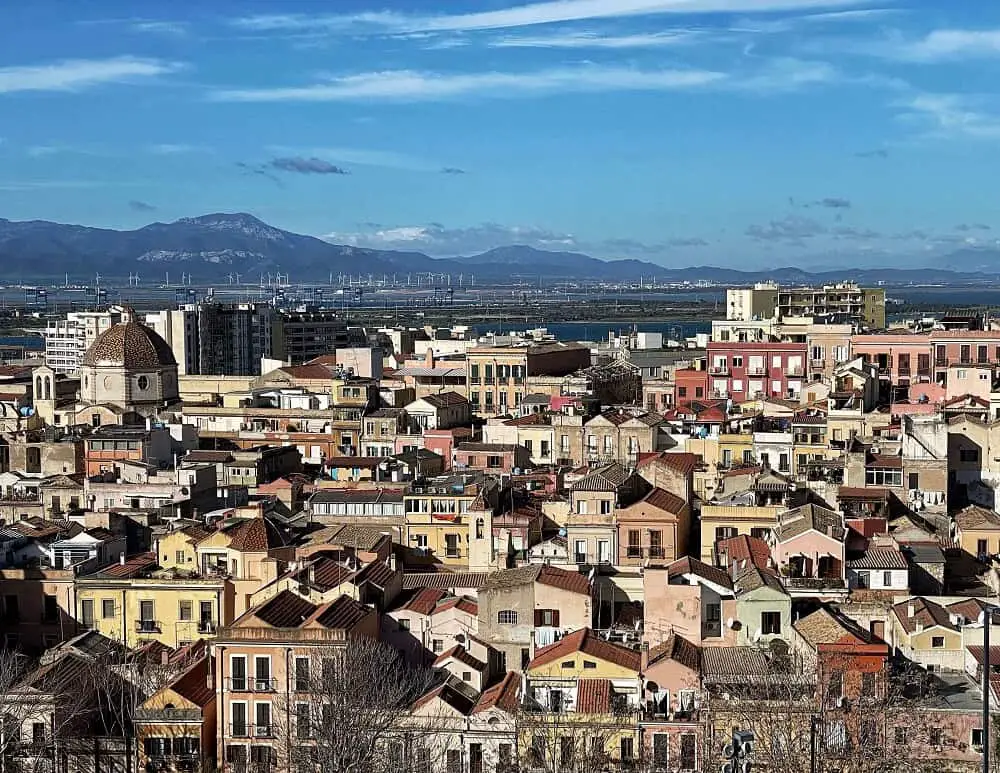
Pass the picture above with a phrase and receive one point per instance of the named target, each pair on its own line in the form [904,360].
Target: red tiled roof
[286,610]
[313,371]
[564,580]
[193,684]
[424,600]
[343,613]
[863,492]
[586,642]
[459,653]
[254,535]
[593,696]
[925,612]
[745,548]
[664,500]
[688,565]
[677,648]
[502,695]
[133,567]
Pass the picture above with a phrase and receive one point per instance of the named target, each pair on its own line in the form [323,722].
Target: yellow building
[581,693]
[446,524]
[977,530]
[725,521]
[175,727]
[135,602]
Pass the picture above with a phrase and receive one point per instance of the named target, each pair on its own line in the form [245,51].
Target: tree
[803,718]
[348,708]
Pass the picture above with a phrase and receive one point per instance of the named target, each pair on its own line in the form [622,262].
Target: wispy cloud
[300,165]
[950,116]
[793,229]
[530,14]
[440,240]
[414,86]
[141,206]
[161,27]
[259,171]
[597,40]
[43,185]
[833,202]
[75,74]
[966,227]
[175,149]
[939,45]
[452,170]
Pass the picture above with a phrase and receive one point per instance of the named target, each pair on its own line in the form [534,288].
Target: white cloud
[415,86]
[533,13]
[436,239]
[945,44]
[175,149]
[950,115]
[73,74]
[596,40]
[171,28]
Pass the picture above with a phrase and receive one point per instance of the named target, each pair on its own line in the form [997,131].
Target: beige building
[497,375]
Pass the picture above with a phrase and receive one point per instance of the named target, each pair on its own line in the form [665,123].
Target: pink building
[689,598]
[963,347]
[808,545]
[493,457]
[901,358]
[743,371]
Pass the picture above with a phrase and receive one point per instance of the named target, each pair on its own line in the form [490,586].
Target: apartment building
[844,302]
[497,376]
[67,340]
[267,669]
[744,371]
[901,358]
[449,520]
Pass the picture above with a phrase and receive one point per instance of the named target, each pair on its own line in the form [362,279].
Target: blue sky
[685,132]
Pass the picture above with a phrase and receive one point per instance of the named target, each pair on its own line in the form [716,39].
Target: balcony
[756,371]
[148,626]
[711,629]
[239,730]
[264,684]
[263,731]
[34,748]
[168,715]
[207,627]
[793,370]
[817,364]
[719,370]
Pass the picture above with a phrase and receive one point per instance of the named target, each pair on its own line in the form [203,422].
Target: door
[146,616]
[604,551]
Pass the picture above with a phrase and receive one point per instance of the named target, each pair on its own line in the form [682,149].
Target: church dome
[131,346]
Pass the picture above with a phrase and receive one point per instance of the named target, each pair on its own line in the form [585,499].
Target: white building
[67,340]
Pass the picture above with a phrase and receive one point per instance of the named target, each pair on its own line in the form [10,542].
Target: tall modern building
[218,339]
[67,340]
[844,302]
[302,335]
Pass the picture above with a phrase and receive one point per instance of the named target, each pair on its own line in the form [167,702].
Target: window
[770,623]
[877,476]
[86,611]
[555,701]
[546,617]
[238,719]
[689,745]
[302,674]
[566,749]
[936,736]
[835,685]
[655,544]
[627,748]
[568,664]
[937,642]
[580,551]
[899,735]
[783,462]
[238,672]
[107,608]
[262,720]
[507,617]
[437,645]
[868,684]
[303,726]
[474,373]
[184,610]
[682,391]
[262,672]
[404,624]
[760,532]
[977,737]
[968,454]
[605,507]
[661,750]
[886,579]
[589,664]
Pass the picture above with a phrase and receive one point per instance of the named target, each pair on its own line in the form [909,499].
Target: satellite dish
[730,622]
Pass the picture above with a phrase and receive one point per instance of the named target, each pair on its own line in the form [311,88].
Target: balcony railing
[795,370]
[148,626]
[239,729]
[756,371]
[711,629]
[719,370]
[264,684]
[263,731]
[207,626]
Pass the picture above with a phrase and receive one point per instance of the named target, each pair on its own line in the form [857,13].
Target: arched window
[38,388]
[480,523]
[48,387]
[507,617]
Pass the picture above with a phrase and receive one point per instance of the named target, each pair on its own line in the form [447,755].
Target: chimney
[121,559]
[911,610]
[429,358]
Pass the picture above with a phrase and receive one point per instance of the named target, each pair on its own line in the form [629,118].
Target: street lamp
[737,753]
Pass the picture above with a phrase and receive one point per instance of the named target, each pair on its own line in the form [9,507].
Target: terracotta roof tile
[679,649]
[976,517]
[879,558]
[424,600]
[286,610]
[587,642]
[688,565]
[927,613]
[664,500]
[593,696]
[193,684]
[459,653]
[743,547]
[503,695]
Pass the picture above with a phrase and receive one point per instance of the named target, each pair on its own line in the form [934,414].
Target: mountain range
[213,246]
